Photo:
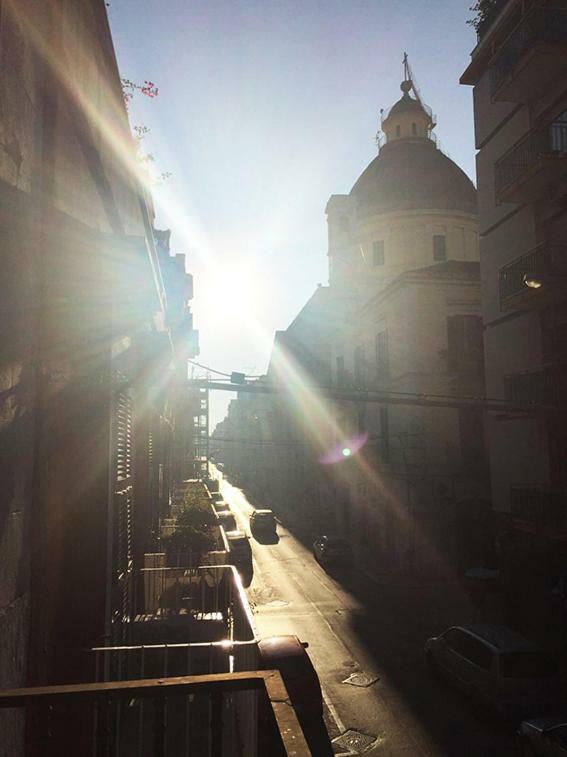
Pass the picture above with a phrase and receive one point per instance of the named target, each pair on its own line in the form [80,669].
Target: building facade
[401,316]
[92,340]
[518,71]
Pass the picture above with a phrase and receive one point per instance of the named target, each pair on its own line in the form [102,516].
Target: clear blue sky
[266,108]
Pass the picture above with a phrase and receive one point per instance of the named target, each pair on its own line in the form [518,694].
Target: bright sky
[266,108]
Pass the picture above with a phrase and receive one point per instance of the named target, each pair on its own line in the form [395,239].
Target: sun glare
[233,292]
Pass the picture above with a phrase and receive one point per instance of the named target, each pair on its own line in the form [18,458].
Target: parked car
[544,736]
[263,521]
[221,507]
[240,551]
[498,667]
[216,497]
[227,521]
[332,550]
[288,655]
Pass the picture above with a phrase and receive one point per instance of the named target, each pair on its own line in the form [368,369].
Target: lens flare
[344,449]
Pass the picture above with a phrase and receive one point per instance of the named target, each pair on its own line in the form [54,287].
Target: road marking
[333,710]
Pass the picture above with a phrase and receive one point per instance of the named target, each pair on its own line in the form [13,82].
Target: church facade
[407,483]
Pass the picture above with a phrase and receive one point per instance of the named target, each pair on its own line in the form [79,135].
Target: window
[465,350]
[340,367]
[413,129]
[478,653]
[384,434]
[362,420]
[344,224]
[469,647]
[398,131]
[378,252]
[471,433]
[455,640]
[439,247]
[382,357]
[558,135]
[359,367]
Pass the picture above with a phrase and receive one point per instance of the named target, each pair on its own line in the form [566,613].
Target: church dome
[412,174]
[406,104]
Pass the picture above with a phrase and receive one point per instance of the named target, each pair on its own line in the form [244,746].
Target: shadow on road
[393,624]
[394,617]
[266,538]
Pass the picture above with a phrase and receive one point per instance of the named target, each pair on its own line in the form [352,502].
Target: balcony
[532,57]
[187,715]
[528,171]
[539,509]
[548,261]
[545,387]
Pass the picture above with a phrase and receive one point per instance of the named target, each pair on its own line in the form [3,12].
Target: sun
[233,292]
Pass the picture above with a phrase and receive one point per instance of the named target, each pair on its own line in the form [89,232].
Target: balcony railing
[541,26]
[545,260]
[546,386]
[527,157]
[539,507]
[178,717]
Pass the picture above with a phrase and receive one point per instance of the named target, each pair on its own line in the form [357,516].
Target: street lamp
[533,281]
[537,280]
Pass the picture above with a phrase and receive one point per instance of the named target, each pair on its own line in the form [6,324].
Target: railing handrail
[270,681]
[224,644]
[536,260]
[531,137]
[514,40]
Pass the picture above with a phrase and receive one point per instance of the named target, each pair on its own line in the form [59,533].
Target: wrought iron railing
[539,25]
[546,386]
[551,140]
[184,716]
[539,506]
[544,260]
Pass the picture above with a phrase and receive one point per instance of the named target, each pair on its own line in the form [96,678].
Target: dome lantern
[409,118]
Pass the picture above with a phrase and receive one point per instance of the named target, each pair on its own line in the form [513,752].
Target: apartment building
[519,74]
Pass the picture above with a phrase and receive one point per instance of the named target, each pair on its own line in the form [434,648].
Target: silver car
[543,736]
[498,667]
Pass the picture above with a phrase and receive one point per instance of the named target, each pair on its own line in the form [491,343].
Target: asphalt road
[355,625]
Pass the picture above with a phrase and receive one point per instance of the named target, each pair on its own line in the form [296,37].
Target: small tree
[188,540]
[195,517]
[483,10]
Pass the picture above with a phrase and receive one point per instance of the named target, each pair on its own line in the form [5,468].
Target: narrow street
[353,625]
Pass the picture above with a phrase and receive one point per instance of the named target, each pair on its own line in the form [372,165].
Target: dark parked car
[263,521]
[543,736]
[498,667]
[332,550]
